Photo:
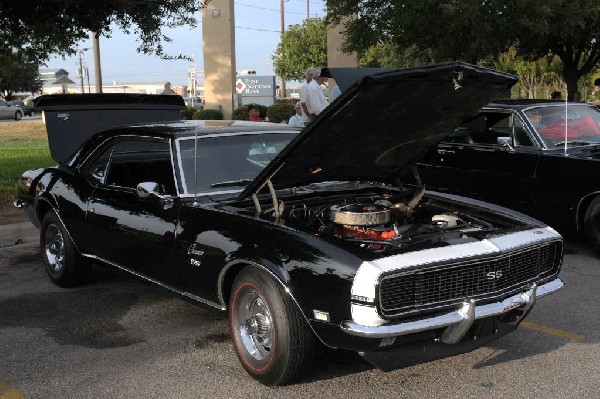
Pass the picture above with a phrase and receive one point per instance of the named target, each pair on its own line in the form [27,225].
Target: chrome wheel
[255,325]
[54,247]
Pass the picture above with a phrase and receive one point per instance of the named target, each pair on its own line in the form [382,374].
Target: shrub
[241,113]
[208,114]
[280,111]
[291,101]
[188,112]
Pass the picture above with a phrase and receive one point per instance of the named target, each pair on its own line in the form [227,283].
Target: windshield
[226,163]
[575,124]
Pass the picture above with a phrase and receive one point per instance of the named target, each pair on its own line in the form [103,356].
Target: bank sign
[256,89]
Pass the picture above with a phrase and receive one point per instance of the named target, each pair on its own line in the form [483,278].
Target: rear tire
[63,263]
[591,224]
[18,116]
[271,337]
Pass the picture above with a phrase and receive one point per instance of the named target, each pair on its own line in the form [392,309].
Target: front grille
[441,285]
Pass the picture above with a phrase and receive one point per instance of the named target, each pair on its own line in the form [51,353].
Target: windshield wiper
[232,183]
[576,142]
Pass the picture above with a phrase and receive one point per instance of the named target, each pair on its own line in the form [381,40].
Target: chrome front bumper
[457,322]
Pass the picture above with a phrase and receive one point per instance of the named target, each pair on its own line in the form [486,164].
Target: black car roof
[191,128]
[525,103]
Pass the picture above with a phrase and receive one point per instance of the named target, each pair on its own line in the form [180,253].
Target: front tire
[63,263]
[272,339]
[18,116]
[591,224]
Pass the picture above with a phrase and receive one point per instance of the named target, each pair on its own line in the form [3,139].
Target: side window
[487,127]
[521,138]
[470,132]
[136,161]
[96,169]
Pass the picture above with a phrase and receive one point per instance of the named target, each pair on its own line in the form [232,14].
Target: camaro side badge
[194,250]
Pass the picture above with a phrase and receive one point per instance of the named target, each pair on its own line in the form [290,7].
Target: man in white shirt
[304,93]
[315,99]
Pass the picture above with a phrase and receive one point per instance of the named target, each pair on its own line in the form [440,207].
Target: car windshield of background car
[226,163]
[577,124]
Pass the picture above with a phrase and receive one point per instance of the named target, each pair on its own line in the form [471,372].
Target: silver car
[8,111]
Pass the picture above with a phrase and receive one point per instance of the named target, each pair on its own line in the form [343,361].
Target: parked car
[27,109]
[194,103]
[8,111]
[306,237]
[540,157]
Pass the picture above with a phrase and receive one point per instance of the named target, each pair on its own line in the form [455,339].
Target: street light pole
[96,47]
[282,31]
[81,70]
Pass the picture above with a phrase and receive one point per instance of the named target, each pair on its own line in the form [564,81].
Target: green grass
[23,146]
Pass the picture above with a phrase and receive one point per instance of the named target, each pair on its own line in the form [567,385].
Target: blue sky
[257,34]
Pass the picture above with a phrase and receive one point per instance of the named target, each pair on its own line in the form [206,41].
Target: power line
[268,9]
[258,29]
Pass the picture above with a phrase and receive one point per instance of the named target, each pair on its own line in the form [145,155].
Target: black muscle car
[305,237]
[536,156]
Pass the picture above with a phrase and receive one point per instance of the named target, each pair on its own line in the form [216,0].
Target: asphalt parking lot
[117,337]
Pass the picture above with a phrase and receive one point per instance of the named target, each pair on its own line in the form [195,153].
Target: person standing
[168,90]
[335,93]
[315,100]
[254,113]
[296,119]
[556,95]
[303,94]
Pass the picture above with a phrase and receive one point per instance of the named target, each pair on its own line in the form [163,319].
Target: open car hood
[382,124]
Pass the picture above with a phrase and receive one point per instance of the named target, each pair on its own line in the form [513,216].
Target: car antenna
[195,165]
[566,121]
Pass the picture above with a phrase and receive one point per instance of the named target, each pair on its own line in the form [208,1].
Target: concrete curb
[18,233]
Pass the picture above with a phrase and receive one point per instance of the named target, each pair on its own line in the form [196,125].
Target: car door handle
[442,152]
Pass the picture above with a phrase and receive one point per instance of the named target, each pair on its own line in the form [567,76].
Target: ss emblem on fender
[494,275]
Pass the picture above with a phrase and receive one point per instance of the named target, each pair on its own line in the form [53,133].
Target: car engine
[379,223]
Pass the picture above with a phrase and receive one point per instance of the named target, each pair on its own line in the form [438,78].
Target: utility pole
[87,74]
[282,31]
[307,9]
[81,70]
[96,47]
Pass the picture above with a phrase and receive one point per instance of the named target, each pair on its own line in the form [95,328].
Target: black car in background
[306,237]
[540,157]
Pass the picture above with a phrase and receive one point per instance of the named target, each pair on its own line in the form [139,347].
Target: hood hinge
[277,206]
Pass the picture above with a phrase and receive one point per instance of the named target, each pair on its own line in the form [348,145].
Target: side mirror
[505,142]
[150,189]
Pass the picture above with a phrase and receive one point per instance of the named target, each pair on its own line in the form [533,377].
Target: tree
[450,29]
[389,55]
[535,76]
[17,73]
[569,29]
[478,31]
[301,47]
[38,29]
